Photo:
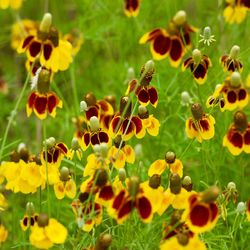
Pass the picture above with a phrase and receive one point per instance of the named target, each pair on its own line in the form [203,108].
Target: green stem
[73,82]
[46,165]
[13,114]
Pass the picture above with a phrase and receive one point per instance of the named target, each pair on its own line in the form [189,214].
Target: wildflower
[42,101]
[88,214]
[241,208]
[171,41]
[230,192]
[235,11]
[231,62]
[124,124]
[207,38]
[95,135]
[14,4]
[198,65]
[3,233]
[237,138]
[3,201]
[20,30]
[201,125]
[54,152]
[131,7]
[54,53]
[248,210]
[180,238]
[120,154]
[146,94]
[47,232]
[202,212]
[186,100]
[75,149]
[125,201]
[170,162]
[30,218]
[103,242]
[66,185]
[75,38]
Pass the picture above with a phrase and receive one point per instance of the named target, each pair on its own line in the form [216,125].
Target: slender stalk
[12,115]
[46,165]
[73,83]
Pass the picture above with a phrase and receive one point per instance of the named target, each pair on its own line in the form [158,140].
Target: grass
[110,48]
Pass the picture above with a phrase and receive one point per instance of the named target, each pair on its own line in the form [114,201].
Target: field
[125,128]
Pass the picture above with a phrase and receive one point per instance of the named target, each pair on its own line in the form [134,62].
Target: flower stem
[12,115]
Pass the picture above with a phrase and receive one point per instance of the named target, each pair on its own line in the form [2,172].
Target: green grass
[110,48]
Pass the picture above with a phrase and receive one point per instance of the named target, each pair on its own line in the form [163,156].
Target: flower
[75,149]
[237,138]
[232,93]
[126,200]
[65,186]
[3,233]
[14,4]
[207,38]
[53,152]
[248,210]
[124,124]
[201,125]
[30,218]
[131,7]
[54,53]
[146,94]
[198,65]
[231,62]
[235,11]
[171,41]
[47,232]
[120,155]
[202,212]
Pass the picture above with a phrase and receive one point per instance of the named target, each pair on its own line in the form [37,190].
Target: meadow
[125,124]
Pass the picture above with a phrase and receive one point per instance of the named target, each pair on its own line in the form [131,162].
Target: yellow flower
[201,125]
[28,221]
[235,11]
[14,4]
[3,234]
[75,37]
[45,236]
[3,202]
[63,188]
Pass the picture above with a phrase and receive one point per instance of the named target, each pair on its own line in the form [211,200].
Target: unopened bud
[133,186]
[182,238]
[83,106]
[90,99]
[240,121]
[143,112]
[104,150]
[185,98]
[197,111]
[50,142]
[97,149]
[211,194]
[103,242]
[241,207]
[75,144]
[138,151]
[180,18]
[170,157]
[155,181]
[43,220]
[30,208]
[46,23]
[235,79]
[231,186]
[196,54]
[102,177]
[187,183]
[175,184]
[207,33]
[235,51]
[94,124]
[64,174]
[122,174]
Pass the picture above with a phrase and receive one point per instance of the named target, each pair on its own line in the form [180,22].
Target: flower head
[131,7]
[207,37]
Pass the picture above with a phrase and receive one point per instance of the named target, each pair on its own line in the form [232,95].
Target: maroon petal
[204,124]
[40,104]
[56,155]
[35,48]
[199,215]
[153,96]
[114,124]
[235,138]
[143,96]
[94,139]
[47,50]
[247,137]
[103,137]
[144,207]
[62,148]
[161,44]
[31,99]
[176,49]
[86,139]
[118,200]
[214,211]
[200,71]
[125,209]
[242,94]
[231,96]
[106,193]
[52,102]
[92,111]
[27,41]
[138,124]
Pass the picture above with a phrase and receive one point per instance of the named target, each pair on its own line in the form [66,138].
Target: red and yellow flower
[198,65]
[201,125]
[54,53]
[248,210]
[30,218]
[170,42]
[237,138]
